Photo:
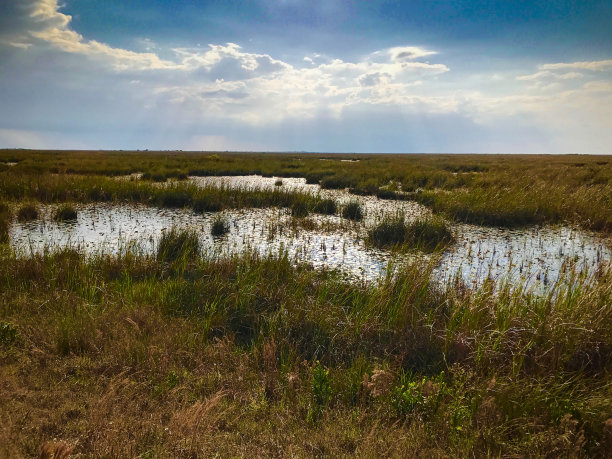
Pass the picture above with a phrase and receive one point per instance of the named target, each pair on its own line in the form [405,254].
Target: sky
[419,76]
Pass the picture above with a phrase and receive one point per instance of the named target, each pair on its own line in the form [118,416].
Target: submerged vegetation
[182,354]
[178,355]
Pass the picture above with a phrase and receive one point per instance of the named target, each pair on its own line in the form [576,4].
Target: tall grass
[177,244]
[508,190]
[5,221]
[27,212]
[428,234]
[502,372]
[353,211]
[65,213]
[49,188]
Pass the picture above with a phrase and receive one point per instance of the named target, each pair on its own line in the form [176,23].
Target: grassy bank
[49,188]
[185,357]
[497,190]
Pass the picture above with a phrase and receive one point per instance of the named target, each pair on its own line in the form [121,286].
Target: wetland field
[185,304]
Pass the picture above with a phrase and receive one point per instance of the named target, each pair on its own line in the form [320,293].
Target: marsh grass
[353,211]
[176,354]
[65,213]
[27,212]
[299,209]
[496,190]
[216,349]
[50,188]
[219,227]
[5,222]
[326,207]
[177,243]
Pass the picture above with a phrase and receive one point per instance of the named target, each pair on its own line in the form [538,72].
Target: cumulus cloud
[224,85]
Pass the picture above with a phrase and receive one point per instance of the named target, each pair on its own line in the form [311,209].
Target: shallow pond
[536,255]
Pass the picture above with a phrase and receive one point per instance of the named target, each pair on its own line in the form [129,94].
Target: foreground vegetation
[499,190]
[175,355]
[172,355]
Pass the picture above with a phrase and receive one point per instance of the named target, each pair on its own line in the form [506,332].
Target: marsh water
[536,256]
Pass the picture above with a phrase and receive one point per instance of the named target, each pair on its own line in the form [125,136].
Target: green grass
[176,354]
[427,234]
[5,222]
[27,212]
[178,244]
[59,189]
[219,227]
[128,354]
[299,209]
[496,190]
[353,211]
[65,213]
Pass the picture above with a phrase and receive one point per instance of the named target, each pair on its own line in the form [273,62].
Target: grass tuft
[178,244]
[299,209]
[27,212]
[65,213]
[425,234]
[353,211]
[219,227]
[326,206]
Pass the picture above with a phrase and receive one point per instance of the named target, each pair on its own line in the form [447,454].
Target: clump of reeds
[326,206]
[299,209]
[65,213]
[426,234]
[278,182]
[219,227]
[27,212]
[353,211]
[178,243]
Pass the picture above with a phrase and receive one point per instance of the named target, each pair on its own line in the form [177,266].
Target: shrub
[353,211]
[177,243]
[65,213]
[219,227]
[27,212]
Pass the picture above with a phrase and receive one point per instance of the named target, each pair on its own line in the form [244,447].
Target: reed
[27,212]
[479,371]
[65,213]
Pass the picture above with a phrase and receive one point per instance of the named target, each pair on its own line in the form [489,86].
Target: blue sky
[313,75]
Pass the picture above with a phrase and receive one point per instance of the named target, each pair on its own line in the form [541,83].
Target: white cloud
[224,84]
[543,74]
[587,65]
